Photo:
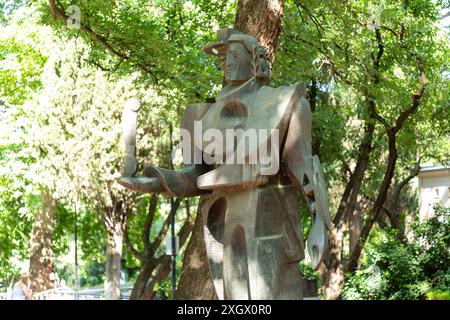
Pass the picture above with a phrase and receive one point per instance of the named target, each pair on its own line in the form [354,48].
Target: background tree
[179,75]
[24,194]
[373,70]
[155,264]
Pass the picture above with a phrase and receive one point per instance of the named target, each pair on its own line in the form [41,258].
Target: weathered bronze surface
[252,227]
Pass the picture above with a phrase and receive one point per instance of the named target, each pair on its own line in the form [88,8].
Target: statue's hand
[129,122]
[172,183]
[317,239]
[178,183]
[131,165]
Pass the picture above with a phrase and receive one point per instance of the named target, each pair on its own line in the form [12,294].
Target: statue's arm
[178,183]
[305,172]
[174,183]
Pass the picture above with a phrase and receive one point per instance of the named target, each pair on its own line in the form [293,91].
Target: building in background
[434,187]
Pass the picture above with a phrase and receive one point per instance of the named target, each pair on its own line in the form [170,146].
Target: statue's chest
[251,119]
[231,114]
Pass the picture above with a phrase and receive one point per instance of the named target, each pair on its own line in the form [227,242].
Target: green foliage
[433,238]
[160,38]
[62,98]
[21,66]
[397,270]
[163,289]
[307,272]
[437,295]
[328,128]
[92,274]
[332,48]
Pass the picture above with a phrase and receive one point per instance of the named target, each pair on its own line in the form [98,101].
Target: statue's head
[241,56]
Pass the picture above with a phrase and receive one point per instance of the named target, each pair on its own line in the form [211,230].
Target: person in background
[53,277]
[20,290]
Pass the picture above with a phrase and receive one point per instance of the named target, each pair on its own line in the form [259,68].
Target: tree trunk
[41,257]
[114,219]
[113,266]
[141,282]
[161,272]
[378,206]
[394,204]
[261,19]
[195,278]
[332,276]
[354,228]
[154,269]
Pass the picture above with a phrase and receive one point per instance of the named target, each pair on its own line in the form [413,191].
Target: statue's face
[237,65]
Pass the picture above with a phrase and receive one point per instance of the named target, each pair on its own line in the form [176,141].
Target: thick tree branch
[162,233]
[148,223]
[161,272]
[392,159]
[104,218]
[378,206]
[185,231]
[360,169]
[390,169]
[162,263]
[187,208]
[376,58]
[390,207]
[398,189]
[416,97]
[373,113]
[130,247]
[57,12]
[353,186]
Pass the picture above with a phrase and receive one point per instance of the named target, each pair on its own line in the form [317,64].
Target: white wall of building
[434,187]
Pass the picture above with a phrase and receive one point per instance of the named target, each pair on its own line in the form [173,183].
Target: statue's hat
[227,35]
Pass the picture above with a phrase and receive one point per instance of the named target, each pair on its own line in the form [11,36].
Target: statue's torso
[253,112]
[264,208]
[250,110]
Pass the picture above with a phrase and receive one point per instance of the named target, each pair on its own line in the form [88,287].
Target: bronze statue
[251,217]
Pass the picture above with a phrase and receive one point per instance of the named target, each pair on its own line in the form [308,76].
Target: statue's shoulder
[283,97]
[193,112]
[298,89]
